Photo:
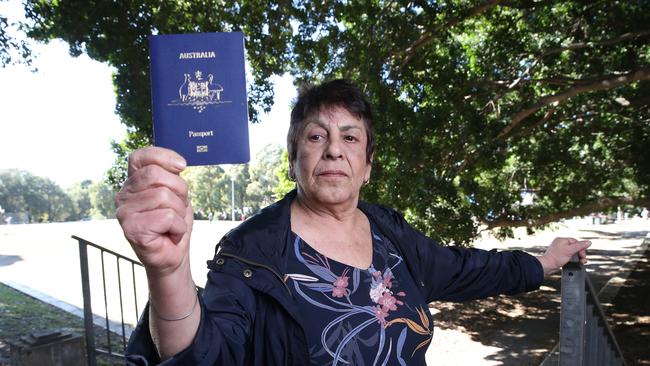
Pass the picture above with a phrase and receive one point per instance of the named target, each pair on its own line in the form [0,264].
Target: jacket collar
[264,237]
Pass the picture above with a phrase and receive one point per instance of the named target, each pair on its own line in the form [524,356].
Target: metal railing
[585,335]
[115,268]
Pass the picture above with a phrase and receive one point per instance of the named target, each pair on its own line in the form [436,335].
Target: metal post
[232,196]
[572,315]
[88,312]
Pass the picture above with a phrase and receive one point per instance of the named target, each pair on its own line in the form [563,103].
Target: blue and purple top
[359,316]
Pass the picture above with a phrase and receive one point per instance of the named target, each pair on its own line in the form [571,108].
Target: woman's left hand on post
[560,251]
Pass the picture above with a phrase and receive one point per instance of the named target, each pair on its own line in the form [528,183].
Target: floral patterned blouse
[354,316]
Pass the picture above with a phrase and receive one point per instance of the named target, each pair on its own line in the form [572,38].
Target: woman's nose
[333,149]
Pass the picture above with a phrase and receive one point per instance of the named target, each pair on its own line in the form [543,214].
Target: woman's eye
[350,138]
[315,137]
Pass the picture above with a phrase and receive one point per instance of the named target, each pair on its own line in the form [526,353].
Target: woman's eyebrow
[322,124]
[349,127]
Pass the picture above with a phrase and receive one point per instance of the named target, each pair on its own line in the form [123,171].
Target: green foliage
[117,174]
[42,199]
[240,177]
[259,192]
[13,50]
[472,100]
[209,188]
[285,185]
[102,199]
[79,193]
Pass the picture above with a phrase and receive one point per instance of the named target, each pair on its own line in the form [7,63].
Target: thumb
[581,250]
[580,245]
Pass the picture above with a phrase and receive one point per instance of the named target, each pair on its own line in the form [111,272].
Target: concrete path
[43,261]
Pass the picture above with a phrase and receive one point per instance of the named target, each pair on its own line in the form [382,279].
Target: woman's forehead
[338,116]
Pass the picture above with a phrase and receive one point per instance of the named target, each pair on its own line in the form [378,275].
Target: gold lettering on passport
[201,133]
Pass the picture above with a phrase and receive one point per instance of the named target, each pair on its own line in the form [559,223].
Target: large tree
[263,180]
[475,101]
[40,198]
[80,195]
[209,188]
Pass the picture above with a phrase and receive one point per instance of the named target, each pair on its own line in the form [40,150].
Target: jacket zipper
[259,265]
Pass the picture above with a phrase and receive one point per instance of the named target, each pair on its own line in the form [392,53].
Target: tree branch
[574,46]
[426,37]
[603,83]
[540,122]
[599,205]
[526,4]
[609,42]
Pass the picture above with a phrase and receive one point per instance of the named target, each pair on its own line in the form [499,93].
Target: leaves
[42,200]
[474,101]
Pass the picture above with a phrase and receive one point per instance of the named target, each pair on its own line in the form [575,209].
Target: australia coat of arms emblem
[199,92]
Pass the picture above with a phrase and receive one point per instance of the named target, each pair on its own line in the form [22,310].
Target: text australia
[206,54]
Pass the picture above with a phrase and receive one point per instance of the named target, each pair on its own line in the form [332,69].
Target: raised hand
[154,210]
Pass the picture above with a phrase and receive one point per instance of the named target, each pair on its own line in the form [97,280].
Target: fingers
[568,247]
[563,250]
[582,252]
[579,247]
[583,256]
[160,239]
[151,199]
[153,176]
[165,222]
[154,155]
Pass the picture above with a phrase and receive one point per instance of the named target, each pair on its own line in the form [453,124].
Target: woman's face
[331,163]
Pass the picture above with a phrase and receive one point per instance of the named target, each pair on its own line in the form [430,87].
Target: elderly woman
[316,278]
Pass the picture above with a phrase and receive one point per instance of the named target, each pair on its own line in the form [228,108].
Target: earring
[292,176]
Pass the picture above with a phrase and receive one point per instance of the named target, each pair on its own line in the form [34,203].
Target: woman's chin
[333,195]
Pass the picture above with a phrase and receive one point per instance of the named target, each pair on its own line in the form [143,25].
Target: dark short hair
[335,93]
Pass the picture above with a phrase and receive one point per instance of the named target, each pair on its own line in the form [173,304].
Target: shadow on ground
[526,327]
[7,260]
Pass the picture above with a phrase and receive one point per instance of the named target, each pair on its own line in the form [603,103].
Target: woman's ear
[366,177]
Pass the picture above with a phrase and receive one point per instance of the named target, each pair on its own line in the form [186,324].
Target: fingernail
[179,164]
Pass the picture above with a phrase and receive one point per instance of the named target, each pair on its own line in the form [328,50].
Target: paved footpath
[520,330]
[43,261]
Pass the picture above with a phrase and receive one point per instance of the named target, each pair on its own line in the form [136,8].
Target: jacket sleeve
[458,274]
[227,312]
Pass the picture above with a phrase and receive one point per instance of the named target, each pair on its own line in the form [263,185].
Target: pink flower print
[388,278]
[341,281]
[381,314]
[401,293]
[340,286]
[388,301]
[338,291]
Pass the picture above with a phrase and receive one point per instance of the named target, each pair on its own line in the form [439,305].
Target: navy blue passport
[198,92]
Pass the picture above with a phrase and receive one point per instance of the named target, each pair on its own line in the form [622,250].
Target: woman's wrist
[175,317]
[546,266]
[174,294]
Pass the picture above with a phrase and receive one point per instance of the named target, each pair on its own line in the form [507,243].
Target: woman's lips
[332,173]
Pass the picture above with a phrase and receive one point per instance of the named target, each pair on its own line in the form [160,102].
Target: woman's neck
[315,211]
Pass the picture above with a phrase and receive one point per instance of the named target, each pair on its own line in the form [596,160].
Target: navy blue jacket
[248,313]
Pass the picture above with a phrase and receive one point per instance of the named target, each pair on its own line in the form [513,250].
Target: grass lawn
[21,315]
